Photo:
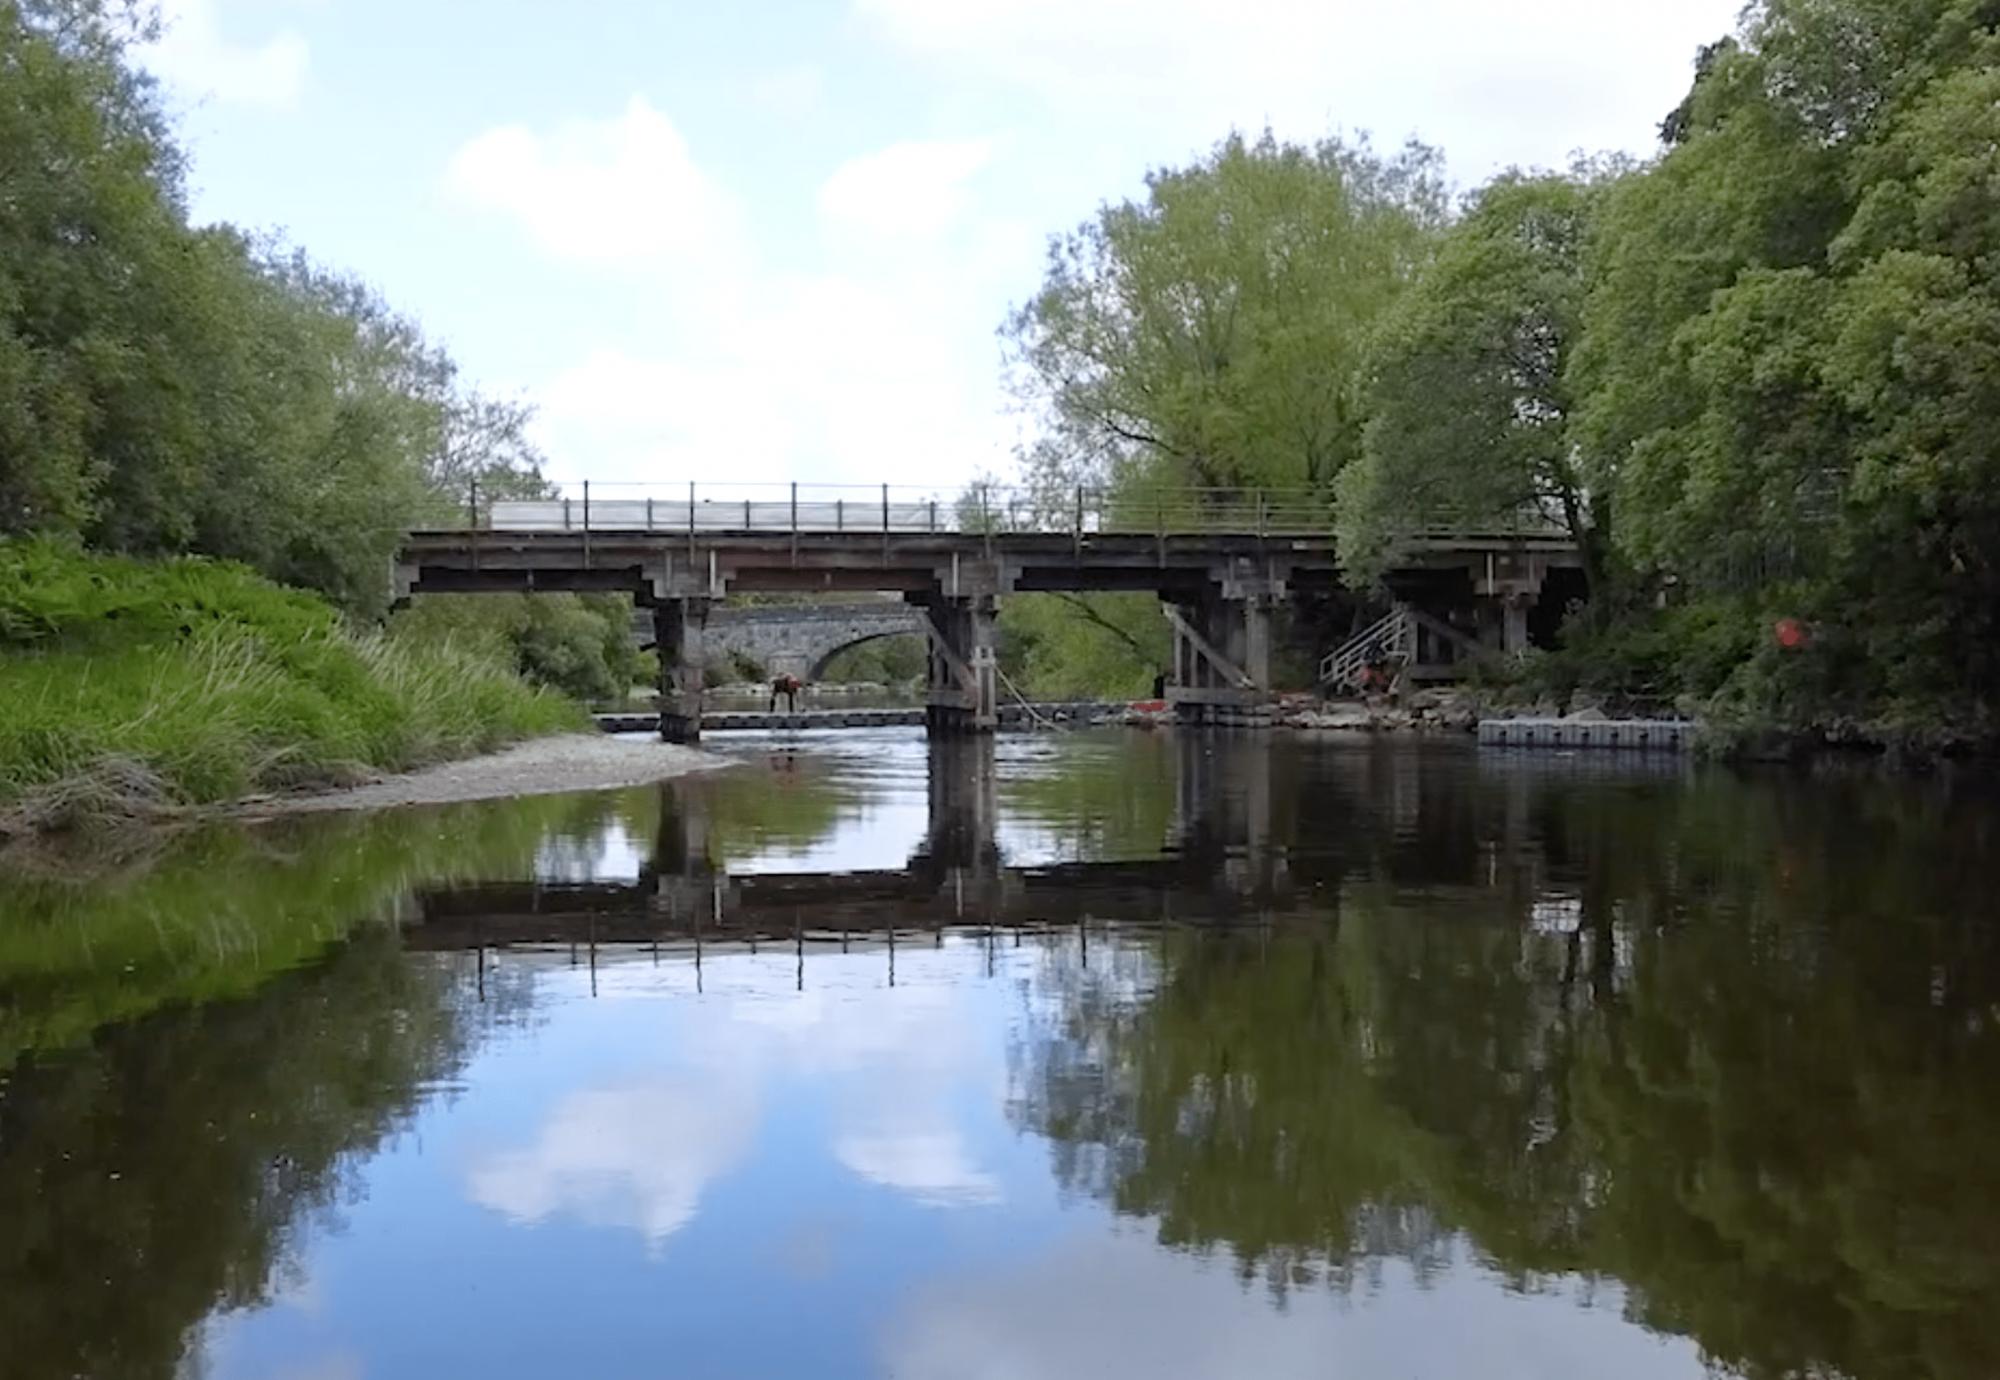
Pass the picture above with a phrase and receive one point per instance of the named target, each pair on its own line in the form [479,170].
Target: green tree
[1212,333]
[172,389]
[1084,646]
[1467,385]
[579,644]
[1786,374]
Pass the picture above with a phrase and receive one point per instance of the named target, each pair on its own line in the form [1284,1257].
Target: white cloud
[828,378]
[931,1166]
[625,191]
[911,189]
[873,369]
[636,1156]
[1494,84]
[793,91]
[1121,1304]
[195,56]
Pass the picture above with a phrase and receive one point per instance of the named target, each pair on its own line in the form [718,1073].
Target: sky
[774,240]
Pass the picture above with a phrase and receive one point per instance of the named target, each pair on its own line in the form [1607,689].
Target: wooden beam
[1207,649]
[960,670]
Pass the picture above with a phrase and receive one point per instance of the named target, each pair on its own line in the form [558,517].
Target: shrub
[134,686]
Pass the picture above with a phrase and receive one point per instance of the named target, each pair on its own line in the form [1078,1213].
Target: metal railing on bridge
[904,510]
[981,509]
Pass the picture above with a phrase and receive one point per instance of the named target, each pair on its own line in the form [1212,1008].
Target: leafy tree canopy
[1212,333]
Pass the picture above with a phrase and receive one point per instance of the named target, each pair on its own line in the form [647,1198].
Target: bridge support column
[1504,592]
[1514,624]
[964,674]
[1222,660]
[678,625]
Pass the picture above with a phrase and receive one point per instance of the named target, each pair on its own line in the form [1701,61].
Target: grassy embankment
[132,688]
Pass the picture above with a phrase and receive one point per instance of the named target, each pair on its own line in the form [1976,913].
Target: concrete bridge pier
[1222,656]
[964,668]
[678,628]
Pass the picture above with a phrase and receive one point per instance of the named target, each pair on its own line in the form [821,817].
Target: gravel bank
[545,766]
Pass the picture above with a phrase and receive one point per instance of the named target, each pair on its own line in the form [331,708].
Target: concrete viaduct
[1219,564]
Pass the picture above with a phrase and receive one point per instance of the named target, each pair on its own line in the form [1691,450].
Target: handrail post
[1261,516]
[795,524]
[885,524]
[690,528]
[586,524]
[1076,531]
[472,531]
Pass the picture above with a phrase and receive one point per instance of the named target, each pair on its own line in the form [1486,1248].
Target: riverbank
[137,691]
[545,766]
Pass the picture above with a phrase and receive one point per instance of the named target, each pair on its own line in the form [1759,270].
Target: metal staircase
[1388,639]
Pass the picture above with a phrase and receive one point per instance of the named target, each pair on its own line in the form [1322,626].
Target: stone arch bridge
[795,639]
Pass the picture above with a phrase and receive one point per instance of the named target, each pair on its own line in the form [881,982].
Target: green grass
[132,687]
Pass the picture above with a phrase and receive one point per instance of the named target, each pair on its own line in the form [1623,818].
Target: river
[1089,1055]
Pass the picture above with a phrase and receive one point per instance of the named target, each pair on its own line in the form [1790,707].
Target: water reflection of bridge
[1222,864]
[1254,835]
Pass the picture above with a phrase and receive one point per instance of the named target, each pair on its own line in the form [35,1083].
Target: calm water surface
[1088,1056]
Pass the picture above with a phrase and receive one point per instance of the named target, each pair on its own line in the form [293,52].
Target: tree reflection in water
[1730,1043]
[1727,1042]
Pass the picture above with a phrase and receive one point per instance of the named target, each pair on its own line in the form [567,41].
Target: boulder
[1340,718]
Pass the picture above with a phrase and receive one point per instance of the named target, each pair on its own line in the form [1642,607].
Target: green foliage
[207,683]
[1773,354]
[166,388]
[883,661]
[1214,332]
[1657,660]
[1082,646]
[1468,398]
[1791,357]
[580,645]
